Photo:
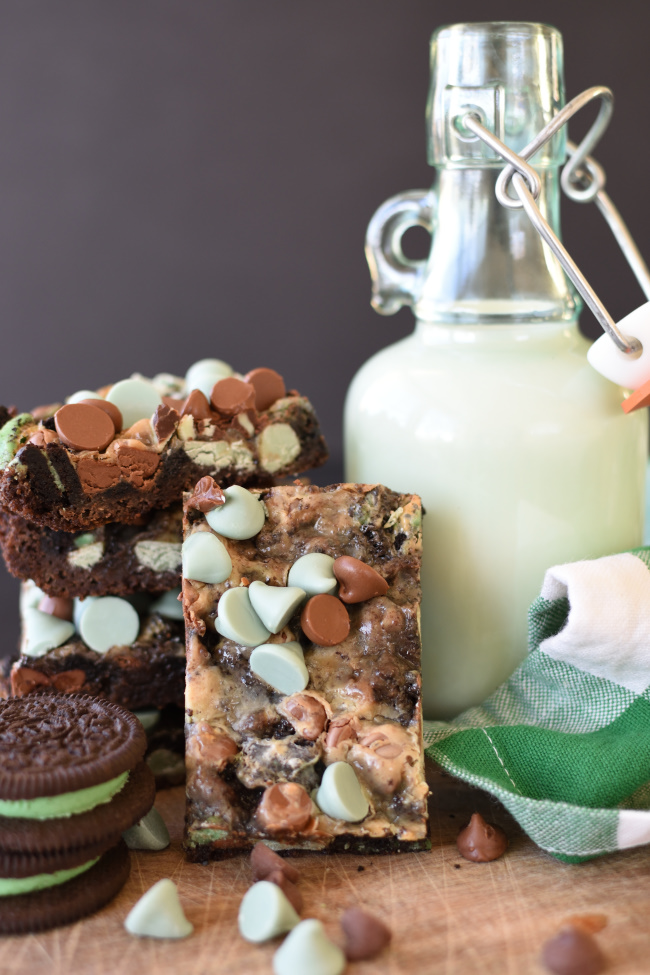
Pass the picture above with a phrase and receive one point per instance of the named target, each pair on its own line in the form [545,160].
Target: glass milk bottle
[489,410]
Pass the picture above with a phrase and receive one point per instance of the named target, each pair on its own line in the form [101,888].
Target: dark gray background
[182,179]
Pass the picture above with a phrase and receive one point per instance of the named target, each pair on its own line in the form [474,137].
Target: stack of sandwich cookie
[72,780]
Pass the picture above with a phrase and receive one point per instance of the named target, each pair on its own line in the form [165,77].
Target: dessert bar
[110,560]
[128,651]
[303,669]
[116,454]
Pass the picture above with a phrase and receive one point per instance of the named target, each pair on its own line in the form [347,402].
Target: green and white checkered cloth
[564,744]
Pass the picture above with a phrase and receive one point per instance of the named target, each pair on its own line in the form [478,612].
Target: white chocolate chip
[205,558]
[204,374]
[81,395]
[109,621]
[340,796]
[168,605]
[135,399]
[244,421]
[314,573]
[219,454]
[150,833]
[240,517]
[158,914]
[87,556]
[43,632]
[238,621]
[282,665]
[265,913]
[275,605]
[277,445]
[185,430]
[308,949]
[159,556]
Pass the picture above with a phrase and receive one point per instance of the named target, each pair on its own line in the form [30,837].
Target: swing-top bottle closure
[496,96]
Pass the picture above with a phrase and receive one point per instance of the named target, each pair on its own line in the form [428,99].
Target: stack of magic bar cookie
[91,519]
[297,631]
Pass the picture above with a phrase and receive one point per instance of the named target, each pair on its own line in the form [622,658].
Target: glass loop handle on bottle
[519,173]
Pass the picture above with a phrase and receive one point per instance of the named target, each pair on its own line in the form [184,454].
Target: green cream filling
[66,804]
[26,885]
[10,437]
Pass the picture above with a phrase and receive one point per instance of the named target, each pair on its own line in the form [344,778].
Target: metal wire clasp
[580,169]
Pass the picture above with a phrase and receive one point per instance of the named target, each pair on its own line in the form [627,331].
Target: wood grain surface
[447,915]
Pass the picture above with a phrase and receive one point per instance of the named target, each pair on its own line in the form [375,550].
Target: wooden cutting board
[447,915]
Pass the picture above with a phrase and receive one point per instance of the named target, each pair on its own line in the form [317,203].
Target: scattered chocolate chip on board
[481,841]
[114,455]
[72,779]
[573,952]
[304,726]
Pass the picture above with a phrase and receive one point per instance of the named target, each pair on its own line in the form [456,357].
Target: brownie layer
[114,559]
[55,486]
[148,673]
[244,738]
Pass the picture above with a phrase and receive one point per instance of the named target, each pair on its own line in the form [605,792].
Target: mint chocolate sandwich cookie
[72,779]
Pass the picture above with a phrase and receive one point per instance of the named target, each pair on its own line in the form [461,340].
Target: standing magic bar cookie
[116,454]
[303,670]
[71,780]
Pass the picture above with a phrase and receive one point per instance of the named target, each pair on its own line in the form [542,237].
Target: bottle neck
[488,264]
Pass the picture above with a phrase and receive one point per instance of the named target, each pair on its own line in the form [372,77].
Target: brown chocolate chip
[207,495]
[590,923]
[56,606]
[197,405]
[481,841]
[164,421]
[24,680]
[110,408]
[174,404]
[69,681]
[210,747]
[43,437]
[231,396]
[307,714]
[288,888]
[325,620]
[269,386]
[358,581]
[96,475]
[284,806]
[264,861]
[365,934]
[84,427]
[573,952]
[136,463]
[340,729]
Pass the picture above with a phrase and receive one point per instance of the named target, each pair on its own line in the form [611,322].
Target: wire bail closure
[583,180]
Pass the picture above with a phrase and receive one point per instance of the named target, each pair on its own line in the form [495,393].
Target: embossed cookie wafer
[77,897]
[19,866]
[53,744]
[104,823]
